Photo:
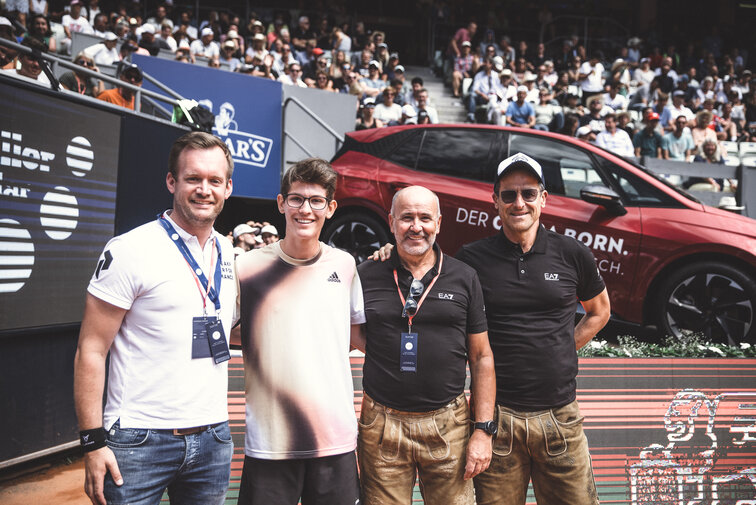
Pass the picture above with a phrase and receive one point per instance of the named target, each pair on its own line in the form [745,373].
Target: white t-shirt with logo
[153,381]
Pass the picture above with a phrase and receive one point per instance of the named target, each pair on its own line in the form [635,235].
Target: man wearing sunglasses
[531,279]
[425,322]
[298,300]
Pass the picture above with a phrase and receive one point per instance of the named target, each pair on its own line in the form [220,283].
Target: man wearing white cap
[74,22]
[151,43]
[269,234]
[244,238]
[521,113]
[205,46]
[465,66]
[531,278]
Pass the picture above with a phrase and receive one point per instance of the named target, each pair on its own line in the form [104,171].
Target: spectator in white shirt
[205,46]
[387,111]
[614,139]
[105,53]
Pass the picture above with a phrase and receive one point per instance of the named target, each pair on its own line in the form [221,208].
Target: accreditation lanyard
[205,288]
[425,293]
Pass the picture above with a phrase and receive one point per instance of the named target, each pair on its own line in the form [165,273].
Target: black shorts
[331,480]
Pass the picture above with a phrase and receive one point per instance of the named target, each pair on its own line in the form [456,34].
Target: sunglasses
[84,63]
[410,306]
[510,195]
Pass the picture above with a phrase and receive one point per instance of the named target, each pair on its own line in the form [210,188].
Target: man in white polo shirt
[162,300]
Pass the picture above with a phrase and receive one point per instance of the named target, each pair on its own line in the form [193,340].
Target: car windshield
[656,176]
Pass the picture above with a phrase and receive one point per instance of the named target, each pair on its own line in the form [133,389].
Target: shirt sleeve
[357,302]
[115,279]
[590,282]
[476,312]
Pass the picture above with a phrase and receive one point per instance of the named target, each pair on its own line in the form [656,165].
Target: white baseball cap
[519,160]
[269,228]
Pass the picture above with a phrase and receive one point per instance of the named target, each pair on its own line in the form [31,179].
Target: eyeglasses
[510,195]
[84,63]
[296,69]
[295,201]
[410,306]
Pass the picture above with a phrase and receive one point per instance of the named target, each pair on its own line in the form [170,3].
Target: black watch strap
[487,426]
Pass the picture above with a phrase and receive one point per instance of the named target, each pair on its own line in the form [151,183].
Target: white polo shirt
[153,381]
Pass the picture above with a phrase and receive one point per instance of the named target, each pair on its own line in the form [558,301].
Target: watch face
[491,428]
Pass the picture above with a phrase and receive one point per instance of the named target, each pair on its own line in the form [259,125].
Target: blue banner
[247,117]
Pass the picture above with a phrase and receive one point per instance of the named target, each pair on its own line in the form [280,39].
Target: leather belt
[192,431]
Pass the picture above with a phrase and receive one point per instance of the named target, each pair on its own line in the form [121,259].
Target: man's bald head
[414,193]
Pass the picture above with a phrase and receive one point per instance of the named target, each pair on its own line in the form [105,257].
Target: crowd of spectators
[305,51]
[252,235]
[641,100]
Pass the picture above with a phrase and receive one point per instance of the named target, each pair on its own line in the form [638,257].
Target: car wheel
[710,298]
[356,233]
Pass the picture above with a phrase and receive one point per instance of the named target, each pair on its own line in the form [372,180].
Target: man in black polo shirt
[425,321]
[531,279]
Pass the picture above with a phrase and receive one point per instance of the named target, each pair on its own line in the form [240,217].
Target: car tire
[357,233]
[712,298]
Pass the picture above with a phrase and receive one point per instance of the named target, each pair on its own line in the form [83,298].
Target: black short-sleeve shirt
[452,309]
[531,300]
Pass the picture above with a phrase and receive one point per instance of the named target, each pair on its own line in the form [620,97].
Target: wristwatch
[488,426]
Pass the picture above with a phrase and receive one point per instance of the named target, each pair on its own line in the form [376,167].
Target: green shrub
[688,346]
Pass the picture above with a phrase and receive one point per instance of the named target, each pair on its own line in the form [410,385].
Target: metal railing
[746,176]
[53,61]
[336,135]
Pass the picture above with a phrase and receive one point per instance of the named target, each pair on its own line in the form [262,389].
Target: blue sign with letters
[247,117]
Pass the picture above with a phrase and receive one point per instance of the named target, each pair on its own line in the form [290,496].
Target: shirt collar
[185,235]
[397,264]
[539,246]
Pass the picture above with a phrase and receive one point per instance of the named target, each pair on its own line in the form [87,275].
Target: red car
[667,259]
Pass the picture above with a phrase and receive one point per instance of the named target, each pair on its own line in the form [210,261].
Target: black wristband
[91,440]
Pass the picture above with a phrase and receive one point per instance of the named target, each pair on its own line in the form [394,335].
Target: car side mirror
[606,197]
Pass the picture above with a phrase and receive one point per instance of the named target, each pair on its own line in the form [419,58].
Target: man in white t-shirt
[31,66]
[614,139]
[591,76]
[387,111]
[74,22]
[105,52]
[299,302]
[205,46]
[160,302]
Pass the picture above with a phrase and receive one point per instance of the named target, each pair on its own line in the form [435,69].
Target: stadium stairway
[450,109]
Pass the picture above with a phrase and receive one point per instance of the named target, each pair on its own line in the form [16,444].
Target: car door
[613,239]
[458,164]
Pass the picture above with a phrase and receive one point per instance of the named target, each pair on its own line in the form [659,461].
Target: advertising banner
[678,431]
[248,118]
[58,171]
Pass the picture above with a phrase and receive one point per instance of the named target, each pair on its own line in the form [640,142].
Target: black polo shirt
[452,310]
[531,300]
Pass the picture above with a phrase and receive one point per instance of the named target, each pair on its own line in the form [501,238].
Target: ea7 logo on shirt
[446,296]
[551,277]
[334,278]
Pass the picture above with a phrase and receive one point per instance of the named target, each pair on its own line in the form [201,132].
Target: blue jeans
[194,468]
[547,447]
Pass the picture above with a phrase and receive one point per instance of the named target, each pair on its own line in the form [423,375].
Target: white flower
[701,347]
[745,345]
[717,350]
[598,344]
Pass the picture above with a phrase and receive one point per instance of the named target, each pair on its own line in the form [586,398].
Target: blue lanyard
[213,292]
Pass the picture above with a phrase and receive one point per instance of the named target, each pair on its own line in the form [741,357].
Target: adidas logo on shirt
[334,278]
